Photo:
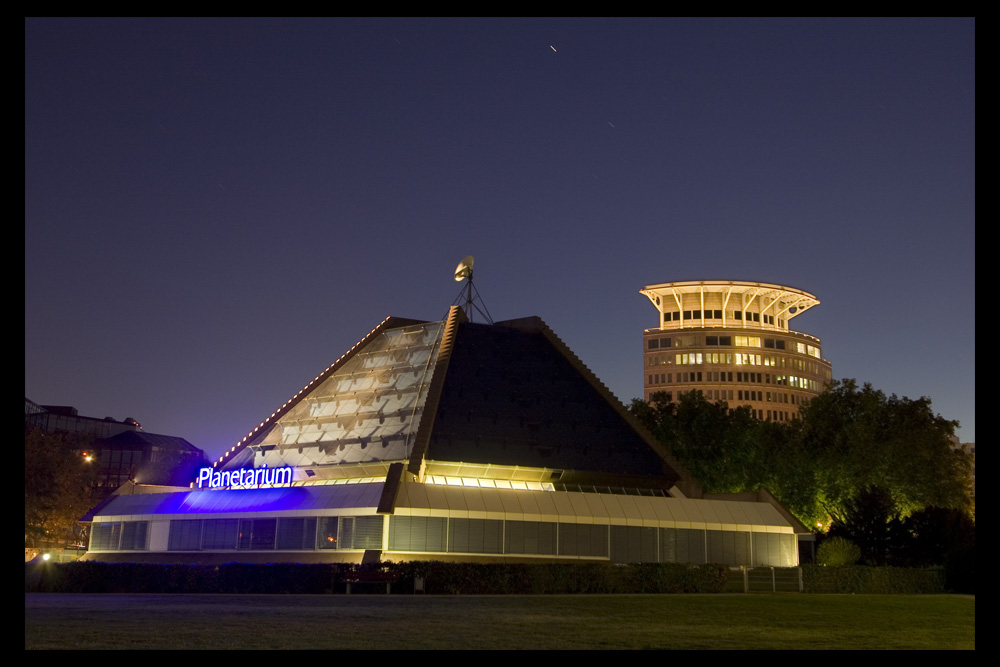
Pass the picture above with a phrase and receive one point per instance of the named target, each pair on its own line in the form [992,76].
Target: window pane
[583,539]
[219,533]
[257,533]
[360,532]
[417,533]
[476,535]
[134,535]
[105,536]
[326,535]
[530,537]
[185,535]
[296,533]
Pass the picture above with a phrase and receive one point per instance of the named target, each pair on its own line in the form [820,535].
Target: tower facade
[730,340]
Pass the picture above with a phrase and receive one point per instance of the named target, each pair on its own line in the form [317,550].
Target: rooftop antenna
[469,294]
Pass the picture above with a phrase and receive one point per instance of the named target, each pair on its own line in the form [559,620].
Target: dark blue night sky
[215,210]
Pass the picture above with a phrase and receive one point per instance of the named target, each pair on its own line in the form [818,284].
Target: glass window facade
[119,536]
[284,534]
[418,534]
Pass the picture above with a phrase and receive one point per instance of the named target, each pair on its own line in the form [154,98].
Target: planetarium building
[446,440]
[730,340]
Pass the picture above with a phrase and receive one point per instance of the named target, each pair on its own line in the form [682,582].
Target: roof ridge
[415,464]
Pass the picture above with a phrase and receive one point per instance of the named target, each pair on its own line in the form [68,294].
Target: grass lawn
[792,621]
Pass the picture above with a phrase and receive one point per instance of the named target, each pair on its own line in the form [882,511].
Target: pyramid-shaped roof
[423,393]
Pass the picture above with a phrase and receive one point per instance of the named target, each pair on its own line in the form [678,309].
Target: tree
[57,485]
[861,439]
[728,450]
[936,534]
[850,445]
[701,435]
[870,519]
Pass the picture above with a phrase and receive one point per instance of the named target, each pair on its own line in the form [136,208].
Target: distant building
[730,340]
[121,449]
[145,458]
[67,419]
[447,440]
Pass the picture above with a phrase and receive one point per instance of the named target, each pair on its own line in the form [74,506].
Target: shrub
[838,551]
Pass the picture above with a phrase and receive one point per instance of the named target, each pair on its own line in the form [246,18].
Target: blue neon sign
[243,478]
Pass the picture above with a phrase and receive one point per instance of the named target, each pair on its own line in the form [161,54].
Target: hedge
[862,579]
[451,578]
[438,577]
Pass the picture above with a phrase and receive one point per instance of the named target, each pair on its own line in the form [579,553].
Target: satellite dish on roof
[464,269]
[469,295]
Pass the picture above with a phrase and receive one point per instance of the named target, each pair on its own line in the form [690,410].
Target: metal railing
[765,579]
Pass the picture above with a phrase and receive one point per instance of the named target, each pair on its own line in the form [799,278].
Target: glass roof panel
[368,410]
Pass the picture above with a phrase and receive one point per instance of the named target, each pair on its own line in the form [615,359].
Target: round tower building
[730,339]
